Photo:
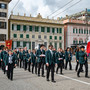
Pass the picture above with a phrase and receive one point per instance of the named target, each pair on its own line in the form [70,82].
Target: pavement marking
[75,79]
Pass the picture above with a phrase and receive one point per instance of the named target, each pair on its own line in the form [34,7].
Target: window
[45,43]
[12,26]
[18,27]
[60,38]
[3,6]
[18,43]
[74,30]
[87,31]
[24,28]
[2,37]
[29,45]
[60,45]
[42,29]
[39,36]
[21,35]
[33,36]
[57,30]
[53,30]
[2,25]
[3,14]
[55,45]
[79,31]
[81,41]
[50,43]
[50,37]
[45,37]
[27,36]
[55,37]
[15,35]
[36,28]
[30,28]
[82,31]
[48,29]
[24,44]
[60,30]
[33,45]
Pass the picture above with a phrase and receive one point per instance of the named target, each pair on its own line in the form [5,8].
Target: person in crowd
[59,59]
[25,52]
[0,57]
[41,59]
[68,58]
[34,61]
[83,61]
[21,58]
[29,60]
[10,64]
[50,62]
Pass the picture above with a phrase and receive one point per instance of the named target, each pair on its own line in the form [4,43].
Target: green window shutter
[18,27]
[60,38]
[87,31]
[48,29]
[55,45]
[60,45]
[53,30]
[18,43]
[82,31]
[50,43]
[12,26]
[73,30]
[57,30]
[29,45]
[15,35]
[74,42]
[42,29]
[79,31]
[21,35]
[30,28]
[36,28]
[24,28]
[50,37]
[60,30]
[76,31]
[55,37]
[24,44]
[27,36]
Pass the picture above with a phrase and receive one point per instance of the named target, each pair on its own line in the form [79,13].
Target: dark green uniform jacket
[50,58]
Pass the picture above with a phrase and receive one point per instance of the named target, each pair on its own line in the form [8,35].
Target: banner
[9,44]
[88,46]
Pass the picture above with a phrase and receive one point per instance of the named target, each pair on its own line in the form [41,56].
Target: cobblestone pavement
[24,80]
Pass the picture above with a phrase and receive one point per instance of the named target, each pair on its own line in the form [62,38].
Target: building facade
[77,29]
[3,21]
[32,31]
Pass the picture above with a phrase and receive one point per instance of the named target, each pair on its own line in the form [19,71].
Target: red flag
[88,47]
[9,44]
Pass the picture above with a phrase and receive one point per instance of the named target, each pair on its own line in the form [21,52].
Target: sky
[47,7]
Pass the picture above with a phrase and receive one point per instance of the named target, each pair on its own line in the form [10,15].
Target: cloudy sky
[46,7]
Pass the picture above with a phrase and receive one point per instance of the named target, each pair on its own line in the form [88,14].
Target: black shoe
[38,75]
[53,81]
[78,76]
[56,72]
[87,77]
[61,73]
[48,80]
[43,76]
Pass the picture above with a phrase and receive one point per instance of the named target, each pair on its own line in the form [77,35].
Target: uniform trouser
[41,65]
[25,64]
[0,64]
[18,62]
[34,66]
[21,63]
[10,71]
[77,67]
[50,67]
[3,67]
[60,65]
[70,66]
[29,65]
[86,69]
